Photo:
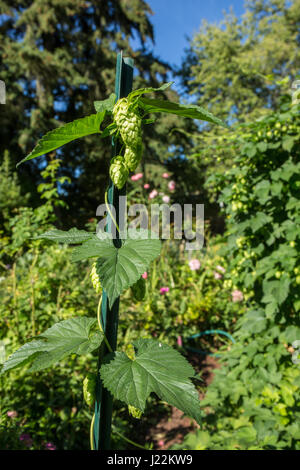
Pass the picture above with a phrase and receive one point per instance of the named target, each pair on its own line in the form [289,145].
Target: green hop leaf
[156,368]
[72,336]
[139,289]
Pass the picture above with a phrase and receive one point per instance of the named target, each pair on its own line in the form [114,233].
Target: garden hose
[207,332]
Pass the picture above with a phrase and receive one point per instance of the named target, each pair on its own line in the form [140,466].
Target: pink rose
[237,296]
[164,290]
[220,268]
[165,175]
[166,199]
[172,185]
[26,439]
[145,275]
[153,194]
[217,275]
[194,264]
[146,186]
[137,177]
[50,446]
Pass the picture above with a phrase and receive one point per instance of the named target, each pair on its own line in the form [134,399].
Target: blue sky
[173,20]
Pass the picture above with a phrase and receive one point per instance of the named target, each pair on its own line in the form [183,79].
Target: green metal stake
[103,404]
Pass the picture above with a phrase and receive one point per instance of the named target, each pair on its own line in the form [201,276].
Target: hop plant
[118,171]
[139,289]
[95,279]
[89,389]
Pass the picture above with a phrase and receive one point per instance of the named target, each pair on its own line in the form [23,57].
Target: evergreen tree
[56,59]
[239,70]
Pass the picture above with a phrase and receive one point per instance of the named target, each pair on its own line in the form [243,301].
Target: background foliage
[245,281]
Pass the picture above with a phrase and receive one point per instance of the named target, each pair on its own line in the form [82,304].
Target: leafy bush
[253,402]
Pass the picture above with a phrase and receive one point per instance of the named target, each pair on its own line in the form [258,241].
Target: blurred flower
[153,194]
[217,275]
[146,185]
[26,438]
[194,264]
[166,199]
[50,446]
[237,296]
[165,175]
[161,443]
[137,177]
[12,414]
[164,290]
[172,185]
[179,341]
[220,268]
[145,275]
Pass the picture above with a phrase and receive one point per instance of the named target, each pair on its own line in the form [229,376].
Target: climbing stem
[101,326]
[128,440]
[92,433]
[110,213]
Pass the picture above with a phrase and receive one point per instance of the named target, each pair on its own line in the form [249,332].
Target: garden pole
[103,403]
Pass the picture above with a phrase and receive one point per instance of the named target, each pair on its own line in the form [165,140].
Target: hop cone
[95,279]
[132,156]
[89,389]
[135,412]
[118,171]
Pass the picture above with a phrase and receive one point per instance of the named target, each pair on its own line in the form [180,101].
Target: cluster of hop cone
[129,125]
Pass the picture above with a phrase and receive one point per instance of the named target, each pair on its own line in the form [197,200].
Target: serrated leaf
[156,368]
[72,236]
[142,91]
[72,336]
[119,268]
[189,111]
[105,105]
[65,134]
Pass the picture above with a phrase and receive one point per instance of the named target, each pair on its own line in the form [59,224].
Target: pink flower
[50,446]
[137,177]
[145,275]
[166,198]
[153,194]
[194,264]
[237,296]
[12,414]
[165,175]
[217,275]
[172,185]
[146,186]
[161,443]
[220,268]
[164,290]
[26,439]
[179,341]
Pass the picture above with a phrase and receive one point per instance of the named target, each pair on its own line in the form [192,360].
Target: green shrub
[253,402]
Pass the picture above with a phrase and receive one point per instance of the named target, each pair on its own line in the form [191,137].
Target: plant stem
[128,440]
[101,326]
[110,213]
[92,433]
